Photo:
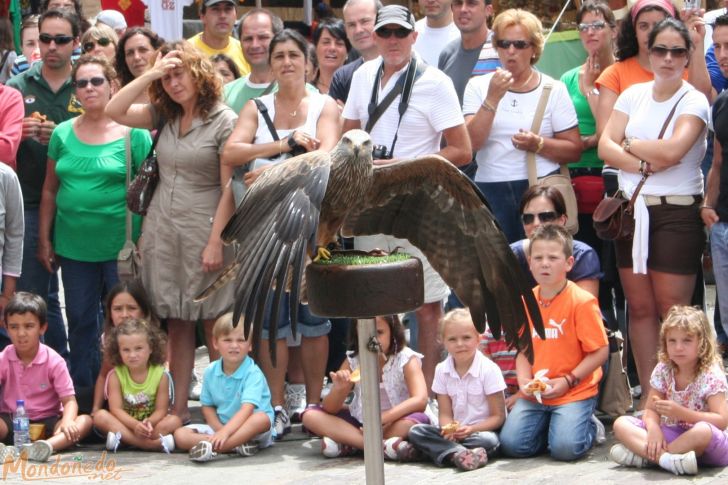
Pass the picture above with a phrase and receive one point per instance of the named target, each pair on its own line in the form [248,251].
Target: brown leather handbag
[613,219]
[140,190]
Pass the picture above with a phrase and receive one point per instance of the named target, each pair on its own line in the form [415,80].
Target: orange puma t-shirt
[574,328]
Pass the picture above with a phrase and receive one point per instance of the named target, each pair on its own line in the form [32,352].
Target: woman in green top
[84,201]
[597,31]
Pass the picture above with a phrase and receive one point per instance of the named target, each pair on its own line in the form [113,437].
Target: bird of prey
[298,207]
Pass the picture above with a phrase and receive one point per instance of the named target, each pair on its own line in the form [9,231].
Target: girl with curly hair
[137,389]
[685,420]
[181,248]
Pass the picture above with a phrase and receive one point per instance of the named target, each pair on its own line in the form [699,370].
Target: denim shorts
[308,325]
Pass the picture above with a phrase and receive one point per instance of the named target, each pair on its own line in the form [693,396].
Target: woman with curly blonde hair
[686,415]
[181,250]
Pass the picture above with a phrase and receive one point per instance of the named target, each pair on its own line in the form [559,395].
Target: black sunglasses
[58,39]
[82,83]
[597,26]
[518,44]
[548,216]
[89,46]
[400,33]
[676,52]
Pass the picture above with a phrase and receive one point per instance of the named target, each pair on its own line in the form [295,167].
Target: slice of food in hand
[39,116]
[538,385]
[451,427]
[355,376]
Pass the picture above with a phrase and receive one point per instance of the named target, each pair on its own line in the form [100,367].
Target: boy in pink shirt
[35,373]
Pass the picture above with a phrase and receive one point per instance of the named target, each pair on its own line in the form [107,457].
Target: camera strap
[404,86]
[264,113]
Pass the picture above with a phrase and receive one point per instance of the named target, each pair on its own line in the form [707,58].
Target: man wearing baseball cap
[432,113]
[218,20]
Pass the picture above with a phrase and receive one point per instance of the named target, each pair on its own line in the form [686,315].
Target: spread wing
[428,201]
[273,226]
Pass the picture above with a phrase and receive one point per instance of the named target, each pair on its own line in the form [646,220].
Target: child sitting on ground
[469,390]
[235,401]
[557,412]
[685,420]
[403,398]
[138,389]
[127,299]
[35,373]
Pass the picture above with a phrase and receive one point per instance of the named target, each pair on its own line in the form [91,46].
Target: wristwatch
[592,92]
[291,141]
[627,144]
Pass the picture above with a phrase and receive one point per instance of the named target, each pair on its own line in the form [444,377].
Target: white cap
[112,18]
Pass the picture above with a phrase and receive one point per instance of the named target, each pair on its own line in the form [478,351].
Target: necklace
[526,82]
[293,113]
[547,303]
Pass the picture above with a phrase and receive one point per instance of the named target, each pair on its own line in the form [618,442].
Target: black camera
[379,152]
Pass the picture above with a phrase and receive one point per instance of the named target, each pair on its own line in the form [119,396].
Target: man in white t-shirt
[166,17]
[435,30]
[218,20]
[432,113]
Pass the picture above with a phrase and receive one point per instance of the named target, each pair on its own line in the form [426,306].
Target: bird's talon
[322,253]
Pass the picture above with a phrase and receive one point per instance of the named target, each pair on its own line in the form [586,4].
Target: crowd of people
[82,104]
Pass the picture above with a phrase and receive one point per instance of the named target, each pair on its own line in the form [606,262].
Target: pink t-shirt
[469,393]
[42,384]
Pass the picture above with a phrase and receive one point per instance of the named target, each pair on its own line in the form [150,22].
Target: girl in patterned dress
[685,420]
[403,397]
[138,389]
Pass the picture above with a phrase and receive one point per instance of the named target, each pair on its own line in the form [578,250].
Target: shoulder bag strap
[637,189]
[127,151]
[264,112]
[269,88]
[535,128]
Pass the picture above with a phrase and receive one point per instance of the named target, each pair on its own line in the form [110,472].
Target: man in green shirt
[49,99]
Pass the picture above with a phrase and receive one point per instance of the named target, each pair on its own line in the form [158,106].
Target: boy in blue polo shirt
[235,401]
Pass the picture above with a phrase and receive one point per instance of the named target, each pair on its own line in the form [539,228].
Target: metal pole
[369,365]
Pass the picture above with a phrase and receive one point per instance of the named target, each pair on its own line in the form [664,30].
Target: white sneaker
[247,449]
[601,434]
[167,443]
[39,451]
[113,440]
[332,449]
[680,464]
[295,401]
[7,453]
[281,422]
[202,452]
[622,455]
[195,387]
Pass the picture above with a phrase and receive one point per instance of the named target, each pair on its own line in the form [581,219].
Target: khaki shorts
[435,288]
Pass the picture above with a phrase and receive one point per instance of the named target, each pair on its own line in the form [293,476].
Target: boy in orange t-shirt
[571,357]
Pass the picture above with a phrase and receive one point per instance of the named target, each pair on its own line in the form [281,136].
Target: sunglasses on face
[82,83]
[518,44]
[676,52]
[596,26]
[58,39]
[90,45]
[548,216]
[398,33]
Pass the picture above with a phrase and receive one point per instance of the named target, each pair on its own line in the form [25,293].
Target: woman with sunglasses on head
[499,109]
[100,40]
[82,216]
[658,266]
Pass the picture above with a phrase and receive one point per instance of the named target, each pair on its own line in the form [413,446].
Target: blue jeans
[567,430]
[427,439]
[308,325]
[85,285]
[504,199]
[35,279]
[719,251]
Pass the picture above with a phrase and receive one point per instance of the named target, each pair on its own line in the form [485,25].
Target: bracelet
[540,144]
[574,380]
[568,382]
[627,144]
[487,106]
[280,147]
[707,207]
[642,167]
